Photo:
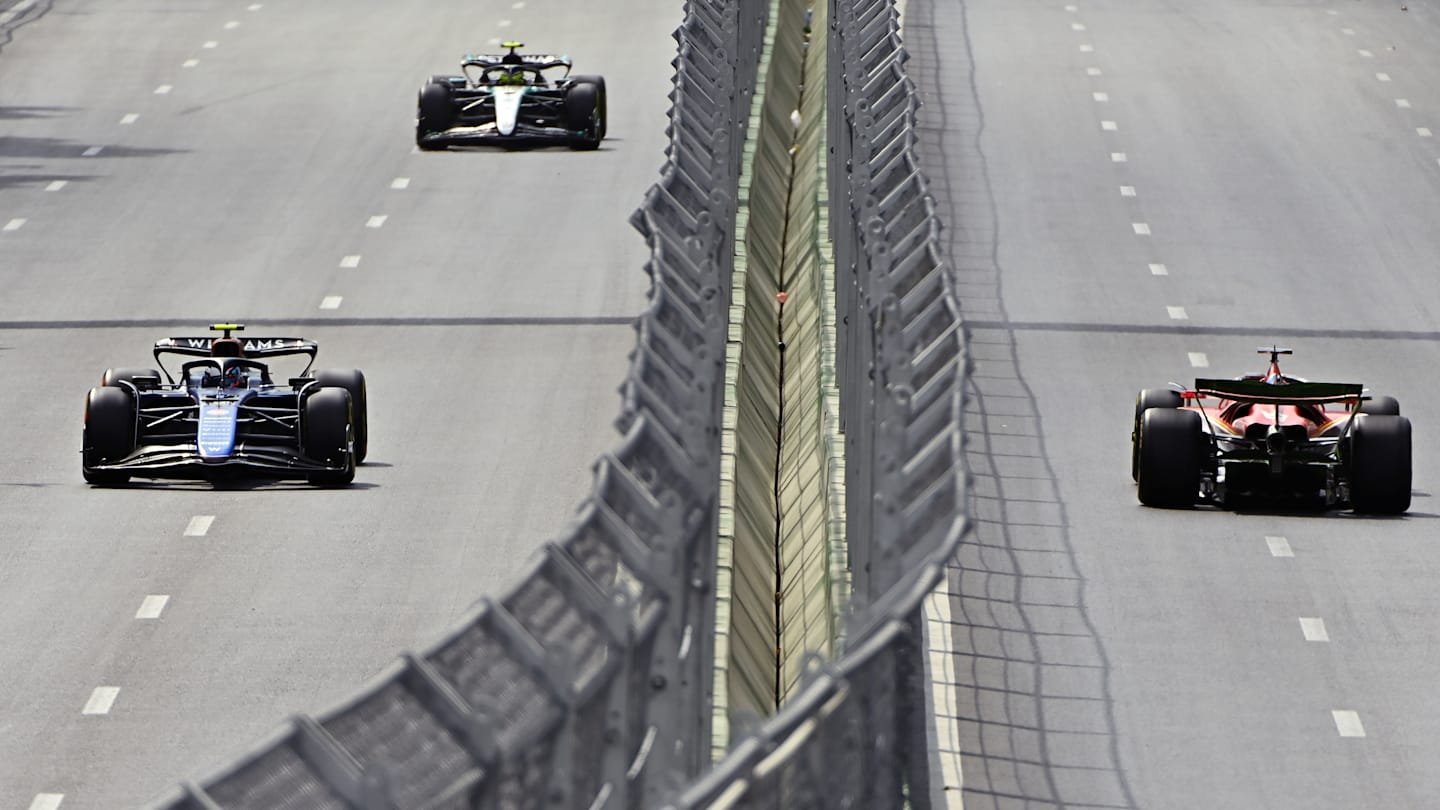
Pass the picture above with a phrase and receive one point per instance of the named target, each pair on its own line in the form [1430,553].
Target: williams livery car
[511,99]
[1271,436]
[223,414]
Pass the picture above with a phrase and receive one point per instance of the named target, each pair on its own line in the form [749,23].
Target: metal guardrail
[586,684]
[854,734]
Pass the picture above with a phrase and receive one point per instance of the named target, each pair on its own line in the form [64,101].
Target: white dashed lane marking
[1423,132]
[1383,77]
[518,5]
[1313,629]
[1077,26]
[1177,313]
[400,183]
[1127,191]
[14,224]
[1119,157]
[56,185]
[129,118]
[101,700]
[190,63]
[1087,49]
[1348,723]
[377,221]
[1199,360]
[1092,71]
[350,262]
[232,25]
[1159,270]
[92,151]
[504,23]
[1072,9]
[164,89]
[1349,32]
[152,606]
[199,525]
[1140,228]
[254,7]
[1279,546]
[1402,103]
[47,801]
[1101,97]
[211,44]
[331,302]
[1109,126]
[1366,54]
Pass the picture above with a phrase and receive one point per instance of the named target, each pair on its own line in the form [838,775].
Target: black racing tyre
[114,376]
[598,81]
[1379,464]
[1148,398]
[327,435]
[585,114]
[352,380]
[1380,406]
[435,112]
[109,434]
[1170,457]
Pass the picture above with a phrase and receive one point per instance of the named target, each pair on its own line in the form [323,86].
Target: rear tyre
[1380,465]
[435,112]
[1148,398]
[585,114]
[353,381]
[109,434]
[1380,406]
[328,436]
[1170,456]
[598,81]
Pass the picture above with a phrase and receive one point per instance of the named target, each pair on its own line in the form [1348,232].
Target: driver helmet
[511,77]
[235,377]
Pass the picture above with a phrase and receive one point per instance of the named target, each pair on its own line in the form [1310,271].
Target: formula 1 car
[1271,436]
[224,414]
[508,99]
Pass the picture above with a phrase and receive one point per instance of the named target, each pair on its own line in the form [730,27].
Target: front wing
[184,461]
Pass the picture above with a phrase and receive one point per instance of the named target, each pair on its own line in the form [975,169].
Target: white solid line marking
[1384,77]
[400,183]
[56,185]
[1109,126]
[1102,97]
[941,674]
[190,63]
[232,25]
[1159,270]
[101,700]
[1092,71]
[92,151]
[1279,546]
[14,224]
[1348,723]
[1118,157]
[1141,229]
[1127,191]
[350,261]
[1077,26]
[376,221]
[164,89]
[1366,54]
[47,801]
[331,302]
[1313,629]
[211,44]
[152,606]
[1087,49]
[1402,103]
[199,525]
[1177,313]
[1199,360]
[129,118]
[1423,132]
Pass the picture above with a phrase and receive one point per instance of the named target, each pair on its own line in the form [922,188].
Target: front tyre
[1169,458]
[109,434]
[435,113]
[327,434]
[1380,469]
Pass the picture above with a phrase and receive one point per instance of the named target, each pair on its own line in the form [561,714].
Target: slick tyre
[435,112]
[328,436]
[1380,465]
[585,114]
[598,81]
[1380,406]
[109,434]
[353,381]
[115,376]
[1170,456]
[1148,398]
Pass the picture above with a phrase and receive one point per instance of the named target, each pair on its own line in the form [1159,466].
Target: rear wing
[254,347]
[1295,393]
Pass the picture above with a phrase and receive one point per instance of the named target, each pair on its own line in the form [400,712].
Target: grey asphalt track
[1117,656]
[489,311]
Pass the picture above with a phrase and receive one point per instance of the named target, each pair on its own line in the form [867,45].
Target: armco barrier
[586,684]
[854,734]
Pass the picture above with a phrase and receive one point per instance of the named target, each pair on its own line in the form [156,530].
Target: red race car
[1271,436]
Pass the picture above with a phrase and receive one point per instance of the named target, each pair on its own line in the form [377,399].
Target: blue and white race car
[223,414]
[511,99]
